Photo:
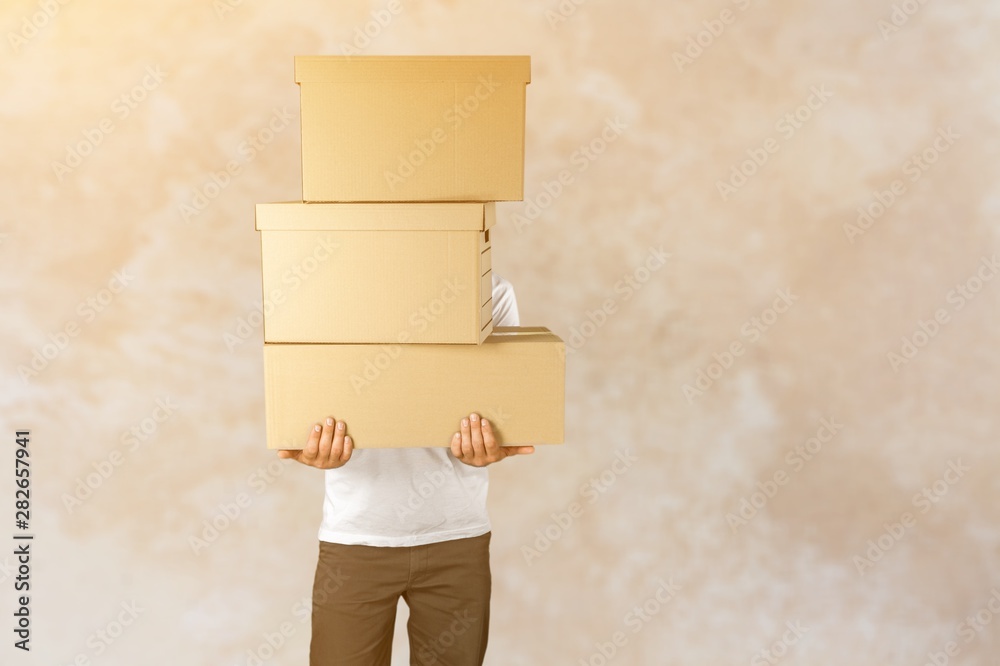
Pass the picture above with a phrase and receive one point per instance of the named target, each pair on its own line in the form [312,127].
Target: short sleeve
[504,303]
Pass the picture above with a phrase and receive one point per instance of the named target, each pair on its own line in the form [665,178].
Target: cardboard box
[376,273]
[415,395]
[412,128]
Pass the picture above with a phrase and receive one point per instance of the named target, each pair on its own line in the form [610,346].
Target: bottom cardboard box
[415,395]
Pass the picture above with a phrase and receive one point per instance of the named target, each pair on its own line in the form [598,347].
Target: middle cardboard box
[376,273]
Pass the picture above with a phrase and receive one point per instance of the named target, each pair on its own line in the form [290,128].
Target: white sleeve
[504,303]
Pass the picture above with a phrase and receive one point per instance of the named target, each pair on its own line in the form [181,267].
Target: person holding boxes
[385,308]
[408,522]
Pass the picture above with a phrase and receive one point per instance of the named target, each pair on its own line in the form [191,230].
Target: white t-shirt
[411,496]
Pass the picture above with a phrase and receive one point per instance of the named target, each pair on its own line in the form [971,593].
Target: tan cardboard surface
[457,216]
[362,69]
[379,128]
[487,260]
[415,395]
[485,285]
[378,273]
[486,317]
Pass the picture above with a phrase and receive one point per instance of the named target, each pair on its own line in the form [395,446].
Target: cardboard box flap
[491,216]
[522,334]
[298,215]
[363,69]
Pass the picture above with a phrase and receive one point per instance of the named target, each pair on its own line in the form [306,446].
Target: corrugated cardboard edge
[314,216]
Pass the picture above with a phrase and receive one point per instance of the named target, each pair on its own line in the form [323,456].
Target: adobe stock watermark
[796,458]
[562,12]
[131,440]
[637,618]
[780,648]
[121,108]
[7,570]
[425,147]
[366,34]
[88,310]
[247,151]
[751,331]
[787,126]
[292,279]
[430,652]
[594,489]
[968,630]
[581,159]
[101,639]
[712,29]
[223,8]
[226,514]
[418,321]
[923,502]
[363,36]
[33,24]
[329,584]
[623,291]
[900,15]
[427,483]
[962,294]
[913,169]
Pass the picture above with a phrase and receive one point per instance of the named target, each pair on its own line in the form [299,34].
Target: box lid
[300,215]
[411,68]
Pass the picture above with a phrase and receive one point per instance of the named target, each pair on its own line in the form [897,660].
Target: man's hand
[475,444]
[329,446]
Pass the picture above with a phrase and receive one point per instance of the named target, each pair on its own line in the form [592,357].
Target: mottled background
[842,547]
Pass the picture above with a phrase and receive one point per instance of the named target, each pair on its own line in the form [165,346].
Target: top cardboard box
[412,128]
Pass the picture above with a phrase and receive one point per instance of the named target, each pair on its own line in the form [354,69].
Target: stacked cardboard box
[379,282]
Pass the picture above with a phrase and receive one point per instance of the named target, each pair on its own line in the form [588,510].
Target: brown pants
[357,588]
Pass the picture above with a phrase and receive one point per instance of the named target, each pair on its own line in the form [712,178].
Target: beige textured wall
[880,97]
